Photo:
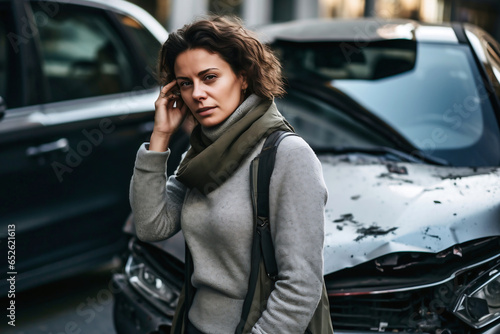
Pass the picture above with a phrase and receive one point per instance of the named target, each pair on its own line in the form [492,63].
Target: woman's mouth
[205,111]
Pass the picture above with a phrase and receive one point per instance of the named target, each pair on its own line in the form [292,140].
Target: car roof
[356,30]
[128,8]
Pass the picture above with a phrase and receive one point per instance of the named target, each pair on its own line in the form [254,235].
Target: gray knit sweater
[218,229]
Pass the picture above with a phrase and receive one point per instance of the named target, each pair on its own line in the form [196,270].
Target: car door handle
[58,145]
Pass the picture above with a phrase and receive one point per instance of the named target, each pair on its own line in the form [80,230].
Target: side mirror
[3,107]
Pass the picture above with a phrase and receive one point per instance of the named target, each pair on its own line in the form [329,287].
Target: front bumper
[132,314]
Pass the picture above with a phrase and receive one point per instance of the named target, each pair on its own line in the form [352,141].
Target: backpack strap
[265,169]
[261,170]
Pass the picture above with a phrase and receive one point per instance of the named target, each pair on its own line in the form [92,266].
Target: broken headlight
[151,285]
[479,304]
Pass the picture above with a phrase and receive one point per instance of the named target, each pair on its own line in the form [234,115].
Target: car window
[143,37]
[82,54]
[425,99]
[430,93]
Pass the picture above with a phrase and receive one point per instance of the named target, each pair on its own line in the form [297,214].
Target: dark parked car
[77,95]
[405,120]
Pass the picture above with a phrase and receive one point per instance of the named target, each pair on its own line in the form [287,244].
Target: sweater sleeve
[156,203]
[297,200]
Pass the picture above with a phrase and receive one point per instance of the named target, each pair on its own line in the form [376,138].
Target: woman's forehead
[194,61]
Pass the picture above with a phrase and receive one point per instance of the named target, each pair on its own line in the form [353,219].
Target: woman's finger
[164,91]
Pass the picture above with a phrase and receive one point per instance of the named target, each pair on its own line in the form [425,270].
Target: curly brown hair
[238,46]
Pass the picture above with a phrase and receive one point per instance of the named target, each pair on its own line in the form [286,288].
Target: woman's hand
[170,112]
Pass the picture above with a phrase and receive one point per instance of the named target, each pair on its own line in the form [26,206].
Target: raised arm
[156,203]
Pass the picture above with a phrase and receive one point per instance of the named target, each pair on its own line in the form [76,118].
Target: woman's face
[208,85]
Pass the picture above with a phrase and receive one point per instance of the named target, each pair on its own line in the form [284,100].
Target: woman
[227,80]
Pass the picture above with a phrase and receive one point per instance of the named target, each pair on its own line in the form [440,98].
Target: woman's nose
[198,92]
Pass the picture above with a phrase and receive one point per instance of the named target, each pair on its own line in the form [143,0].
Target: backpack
[263,263]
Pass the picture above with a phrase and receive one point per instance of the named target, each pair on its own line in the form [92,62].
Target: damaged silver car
[405,120]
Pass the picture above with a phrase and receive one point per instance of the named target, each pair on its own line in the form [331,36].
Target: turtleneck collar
[214,132]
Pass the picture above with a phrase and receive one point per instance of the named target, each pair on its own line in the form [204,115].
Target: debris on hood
[373,230]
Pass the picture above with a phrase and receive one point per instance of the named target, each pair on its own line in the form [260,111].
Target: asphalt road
[77,305]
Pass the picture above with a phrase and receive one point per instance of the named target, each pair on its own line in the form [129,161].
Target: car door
[19,129]
[68,149]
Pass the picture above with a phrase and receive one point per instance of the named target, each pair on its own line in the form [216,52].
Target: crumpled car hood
[374,209]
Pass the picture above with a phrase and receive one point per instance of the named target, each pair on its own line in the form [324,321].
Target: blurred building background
[175,13]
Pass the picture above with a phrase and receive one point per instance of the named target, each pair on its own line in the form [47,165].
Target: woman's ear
[244,80]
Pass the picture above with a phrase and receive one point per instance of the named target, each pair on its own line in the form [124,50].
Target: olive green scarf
[208,164]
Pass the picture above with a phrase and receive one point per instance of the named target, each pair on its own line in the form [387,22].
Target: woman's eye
[184,83]
[210,77]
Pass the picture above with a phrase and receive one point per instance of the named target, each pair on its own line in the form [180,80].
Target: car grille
[408,292]
[418,310]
